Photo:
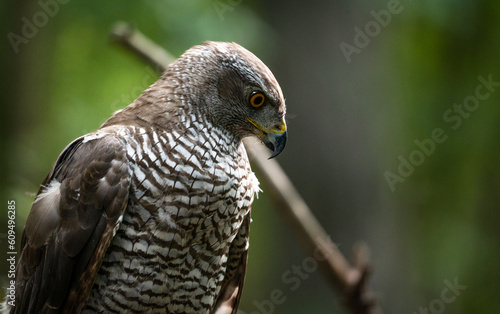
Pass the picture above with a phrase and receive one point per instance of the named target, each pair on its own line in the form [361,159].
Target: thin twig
[351,281]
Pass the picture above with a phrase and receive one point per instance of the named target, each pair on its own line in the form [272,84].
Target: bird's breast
[185,177]
[189,195]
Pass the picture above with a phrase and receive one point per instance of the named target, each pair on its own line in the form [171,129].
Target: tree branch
[351,281]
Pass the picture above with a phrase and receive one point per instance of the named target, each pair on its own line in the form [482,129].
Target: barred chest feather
[190,192]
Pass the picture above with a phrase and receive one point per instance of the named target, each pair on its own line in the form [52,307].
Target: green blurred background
[352,119]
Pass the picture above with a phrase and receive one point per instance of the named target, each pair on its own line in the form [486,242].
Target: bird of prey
[151,212]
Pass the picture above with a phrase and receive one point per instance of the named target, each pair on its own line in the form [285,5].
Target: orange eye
[257,99]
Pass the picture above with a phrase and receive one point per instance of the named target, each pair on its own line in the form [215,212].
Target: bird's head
[237,91]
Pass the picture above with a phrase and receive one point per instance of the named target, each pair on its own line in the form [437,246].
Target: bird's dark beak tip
[276,143]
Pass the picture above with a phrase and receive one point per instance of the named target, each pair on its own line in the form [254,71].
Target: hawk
[151,212]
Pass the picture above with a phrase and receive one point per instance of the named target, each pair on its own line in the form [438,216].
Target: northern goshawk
[151,212]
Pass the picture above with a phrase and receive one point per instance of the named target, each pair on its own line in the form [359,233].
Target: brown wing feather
[230,294]
[70,226]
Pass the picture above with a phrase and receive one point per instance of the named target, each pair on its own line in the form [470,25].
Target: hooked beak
[276,142]
[274,139]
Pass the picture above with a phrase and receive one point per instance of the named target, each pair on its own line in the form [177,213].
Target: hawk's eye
[257,99]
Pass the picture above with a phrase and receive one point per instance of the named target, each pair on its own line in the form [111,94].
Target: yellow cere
[281,130]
